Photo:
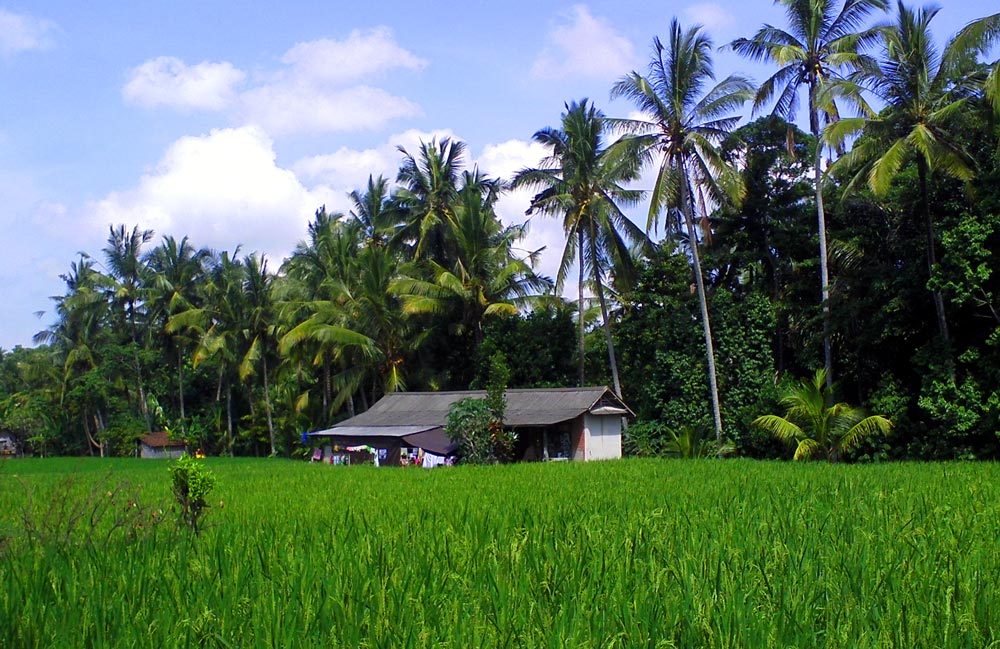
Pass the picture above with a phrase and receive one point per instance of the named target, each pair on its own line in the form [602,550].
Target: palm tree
[923,89]
[374,212]
[217,325]
[818,46]
[486,278]
[176,275]
[123,258]
[259,330]
[685,125]
[78,338]
[427,196]
[583,181]
[821,426]
[984,33]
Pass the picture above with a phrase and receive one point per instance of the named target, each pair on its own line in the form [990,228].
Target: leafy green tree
[819,46]
[686,123]
[819,425]
[923,90]
[585,181]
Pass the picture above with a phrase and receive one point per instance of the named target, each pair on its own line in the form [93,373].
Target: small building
[9,446]
[161,446]
[551,423]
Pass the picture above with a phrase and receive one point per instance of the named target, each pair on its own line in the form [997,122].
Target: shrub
[191,483]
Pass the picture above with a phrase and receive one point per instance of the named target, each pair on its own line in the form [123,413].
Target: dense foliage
[879,267]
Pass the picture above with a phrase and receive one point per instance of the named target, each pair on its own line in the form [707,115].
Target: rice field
[614,554]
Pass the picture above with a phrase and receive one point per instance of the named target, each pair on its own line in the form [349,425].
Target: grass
[615,554]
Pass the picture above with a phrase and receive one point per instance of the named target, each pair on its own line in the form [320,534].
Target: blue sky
[231,122]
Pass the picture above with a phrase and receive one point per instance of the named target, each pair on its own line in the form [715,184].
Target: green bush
[191,484]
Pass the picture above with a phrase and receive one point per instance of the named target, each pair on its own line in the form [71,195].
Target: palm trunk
[180,386]
[229,419]
[824,270]
[143,406]
[942,321]
[713,387]
[604,314]
[580,344]
[267,407]
[326,388]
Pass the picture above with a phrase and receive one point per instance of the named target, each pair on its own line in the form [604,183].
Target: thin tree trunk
[229,419]
[326,388]
[581,350]
[604,314]
[180,386]
[91,443]
[687,208]
[942,320]
[824,270]
[143,406]
[267,407]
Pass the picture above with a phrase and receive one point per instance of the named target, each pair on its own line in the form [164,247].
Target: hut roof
[161,440]
[402,413]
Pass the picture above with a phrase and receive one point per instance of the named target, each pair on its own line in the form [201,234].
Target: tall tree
[217,325]
[584,181]
[686,121]
[427,195]
[123,258]
[819,45]
[374,212]
[176,275]
[486,277]
[259,331]
[923,90]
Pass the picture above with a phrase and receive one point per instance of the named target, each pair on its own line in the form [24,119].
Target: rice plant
[615,554]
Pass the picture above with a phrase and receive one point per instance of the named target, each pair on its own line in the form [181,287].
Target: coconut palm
[176,274]
[820,426]
[685,123]
[819,46]
[77,339]
[486,278]
[123,259]
[427,196]
[985,33]
[584,181]
[259,331]
[217,324]
[374,212]
[923,89]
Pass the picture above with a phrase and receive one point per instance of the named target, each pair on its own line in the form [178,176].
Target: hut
[161,446]
[551,423]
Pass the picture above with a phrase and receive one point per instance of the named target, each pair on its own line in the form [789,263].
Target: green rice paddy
[612,554]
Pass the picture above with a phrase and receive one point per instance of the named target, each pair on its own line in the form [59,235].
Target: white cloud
[346,170]
[361,55]
[297,107]
[168,81]
[324,86]
[504,160]
[711,16]
[222,190]
[21,32]
[585,46]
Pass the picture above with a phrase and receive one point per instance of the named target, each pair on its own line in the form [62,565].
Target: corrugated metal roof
[534,407]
